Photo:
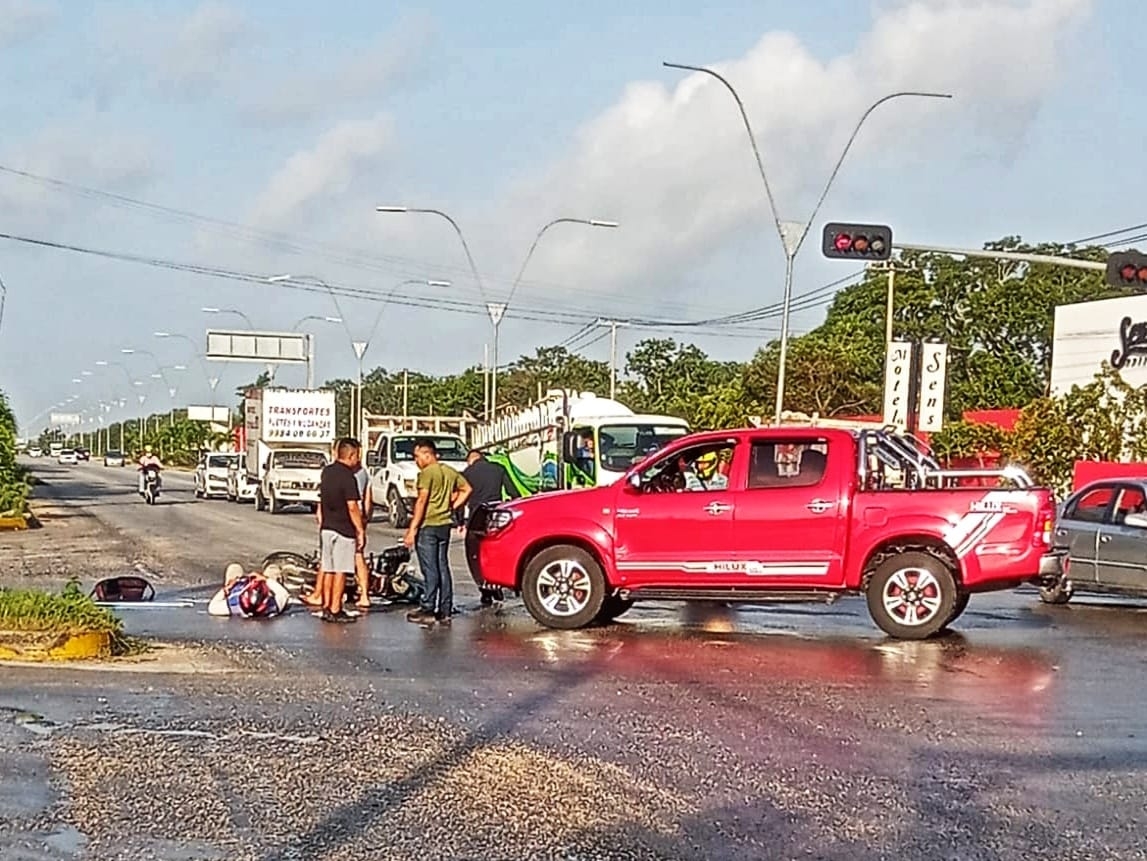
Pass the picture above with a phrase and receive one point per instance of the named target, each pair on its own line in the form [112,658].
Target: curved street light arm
[586,221]
[752,138]
[457,229]
[848,146]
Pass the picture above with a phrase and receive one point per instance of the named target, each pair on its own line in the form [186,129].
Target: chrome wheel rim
[564,588]
[912,596]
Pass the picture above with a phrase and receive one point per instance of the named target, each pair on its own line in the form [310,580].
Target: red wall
[1087,471]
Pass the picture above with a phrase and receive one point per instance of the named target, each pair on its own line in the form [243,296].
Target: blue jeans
[433,548]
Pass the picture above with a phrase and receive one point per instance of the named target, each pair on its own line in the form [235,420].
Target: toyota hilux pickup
[774,514]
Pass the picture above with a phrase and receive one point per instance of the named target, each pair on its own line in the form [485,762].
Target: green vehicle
[573,439]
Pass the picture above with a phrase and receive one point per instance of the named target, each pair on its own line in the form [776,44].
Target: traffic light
[857,241]
[1127,269]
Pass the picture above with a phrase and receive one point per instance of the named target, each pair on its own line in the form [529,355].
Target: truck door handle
[715,508]
[1061,532]
[819,506]
[1103,539]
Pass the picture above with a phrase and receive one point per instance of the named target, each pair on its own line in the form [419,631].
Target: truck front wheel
[396,508]
[563,587]
[912,596]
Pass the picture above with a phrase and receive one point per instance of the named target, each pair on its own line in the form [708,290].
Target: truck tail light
[1045,528]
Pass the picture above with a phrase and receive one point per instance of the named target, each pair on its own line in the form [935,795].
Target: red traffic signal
[1127,269]
[857,241]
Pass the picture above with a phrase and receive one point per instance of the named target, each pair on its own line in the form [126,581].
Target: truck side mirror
[571,448]
[1136,521]
[372,459]
[633,482]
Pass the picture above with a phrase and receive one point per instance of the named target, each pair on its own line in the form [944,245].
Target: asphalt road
[784,732]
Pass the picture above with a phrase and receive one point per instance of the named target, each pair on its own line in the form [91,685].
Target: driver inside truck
[585,455]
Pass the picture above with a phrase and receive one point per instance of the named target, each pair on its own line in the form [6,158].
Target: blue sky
[298,119]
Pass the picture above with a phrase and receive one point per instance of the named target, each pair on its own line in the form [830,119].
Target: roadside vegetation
[69,612]
[13,478]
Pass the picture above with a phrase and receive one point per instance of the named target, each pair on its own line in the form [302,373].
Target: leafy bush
[13,480]
[69,612]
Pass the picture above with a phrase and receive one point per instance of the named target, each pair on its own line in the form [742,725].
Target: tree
[681,380]
[826,372]
[13,481]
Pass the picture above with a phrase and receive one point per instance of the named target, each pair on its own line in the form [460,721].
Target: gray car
[1103,525]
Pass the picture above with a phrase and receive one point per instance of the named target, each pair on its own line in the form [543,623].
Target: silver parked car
[1103,525]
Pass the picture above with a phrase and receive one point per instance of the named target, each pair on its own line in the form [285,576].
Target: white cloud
[673,163]
[120,162]
[199,51]
[326,169]
[22,19]
[363,75]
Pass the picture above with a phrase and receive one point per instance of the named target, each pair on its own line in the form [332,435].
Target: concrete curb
[44,646]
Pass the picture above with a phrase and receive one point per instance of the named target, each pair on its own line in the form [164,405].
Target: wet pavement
[678,732]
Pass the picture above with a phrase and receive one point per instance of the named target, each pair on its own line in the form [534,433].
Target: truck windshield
[222,461]
[622,446]
[449,448]
[299,460]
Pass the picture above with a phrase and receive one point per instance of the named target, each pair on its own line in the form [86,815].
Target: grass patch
[70,612]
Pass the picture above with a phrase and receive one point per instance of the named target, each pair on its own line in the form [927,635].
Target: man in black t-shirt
[491,483]
[342,529]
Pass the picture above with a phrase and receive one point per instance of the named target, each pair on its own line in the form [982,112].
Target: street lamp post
[792,235]
[496,310]
[212,382]
[3,299]
[234,311]
[311,344]
[358,347]
[588,222]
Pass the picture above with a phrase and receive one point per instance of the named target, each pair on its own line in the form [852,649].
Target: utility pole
[405,391]
[486,381]
[613,324]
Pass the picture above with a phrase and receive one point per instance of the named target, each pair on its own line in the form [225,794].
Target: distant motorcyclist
[148,460]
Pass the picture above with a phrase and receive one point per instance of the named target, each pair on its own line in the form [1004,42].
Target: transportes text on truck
[289,434]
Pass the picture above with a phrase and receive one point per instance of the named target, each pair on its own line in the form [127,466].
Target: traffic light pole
[1070,262]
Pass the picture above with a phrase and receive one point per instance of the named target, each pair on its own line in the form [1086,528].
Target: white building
[1088,334]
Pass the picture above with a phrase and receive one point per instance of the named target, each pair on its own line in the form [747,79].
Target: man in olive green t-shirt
[441,490]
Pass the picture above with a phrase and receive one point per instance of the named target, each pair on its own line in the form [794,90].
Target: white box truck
[290,433]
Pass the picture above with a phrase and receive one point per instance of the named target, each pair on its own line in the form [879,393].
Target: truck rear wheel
[396,510]
[260,501]
[912,595]
[959,608]
[563,587]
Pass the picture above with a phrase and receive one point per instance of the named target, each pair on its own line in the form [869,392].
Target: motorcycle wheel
[298,573]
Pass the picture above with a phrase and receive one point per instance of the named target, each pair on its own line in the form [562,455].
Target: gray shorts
[337,552]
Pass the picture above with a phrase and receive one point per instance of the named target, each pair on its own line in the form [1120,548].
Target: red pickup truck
[774,514]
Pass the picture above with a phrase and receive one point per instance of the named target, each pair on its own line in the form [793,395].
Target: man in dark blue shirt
[491,484]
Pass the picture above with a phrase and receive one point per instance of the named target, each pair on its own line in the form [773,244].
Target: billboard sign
[221,415]
[1087,334]
[897,383]
[933,380]
[63,419]
[263,347]
[290,415]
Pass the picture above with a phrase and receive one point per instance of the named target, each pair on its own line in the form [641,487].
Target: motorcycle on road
[150,484]
[392,578]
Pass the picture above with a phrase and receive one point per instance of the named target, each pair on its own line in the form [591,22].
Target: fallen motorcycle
[393,579]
